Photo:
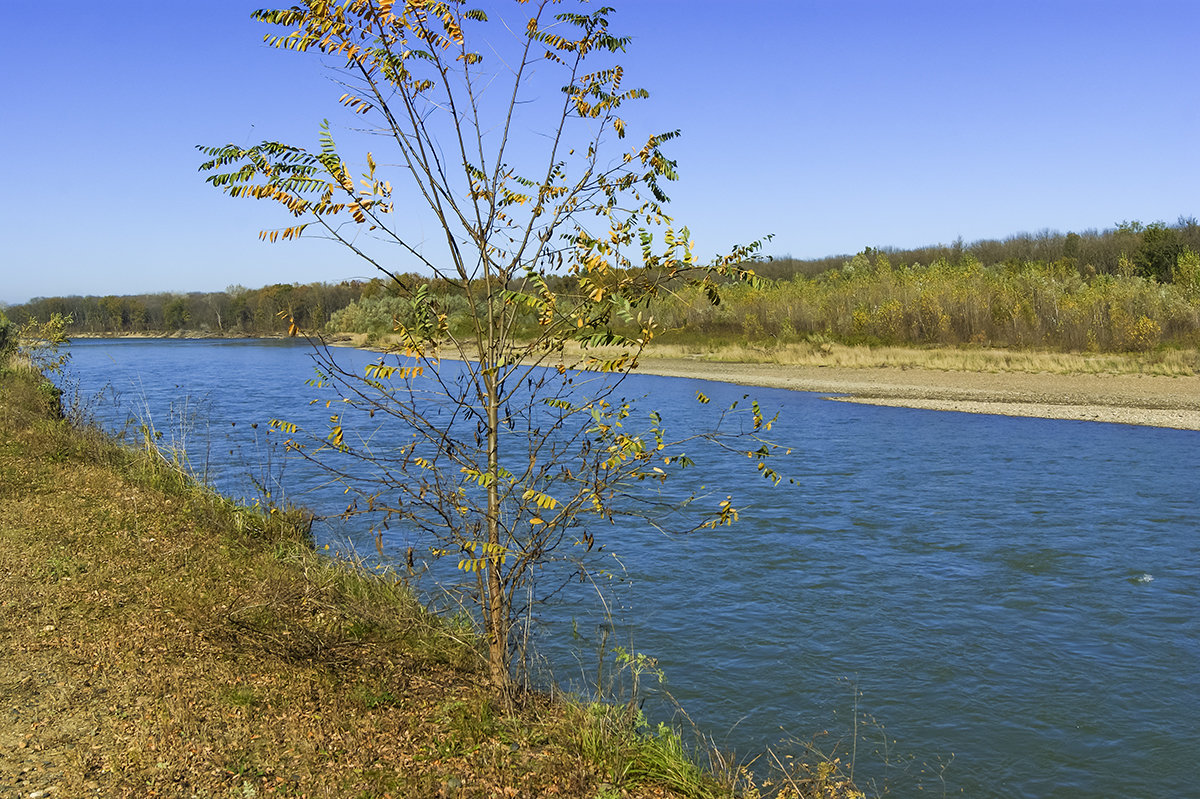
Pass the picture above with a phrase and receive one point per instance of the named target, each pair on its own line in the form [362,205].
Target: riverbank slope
[158,640]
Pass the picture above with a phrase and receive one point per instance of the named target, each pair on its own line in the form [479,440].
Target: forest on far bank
[1132,287]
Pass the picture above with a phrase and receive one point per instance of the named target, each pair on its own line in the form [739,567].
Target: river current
[971,605]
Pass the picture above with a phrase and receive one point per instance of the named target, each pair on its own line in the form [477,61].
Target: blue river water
[971,605]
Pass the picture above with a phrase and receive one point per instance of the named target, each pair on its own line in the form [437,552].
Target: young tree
[37,343]
[1159,251]
[507,130]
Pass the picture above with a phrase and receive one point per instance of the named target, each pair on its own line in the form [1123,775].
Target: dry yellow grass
[1167,362]
[1172,363]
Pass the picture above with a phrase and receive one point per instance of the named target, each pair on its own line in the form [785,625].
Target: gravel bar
[1150,400]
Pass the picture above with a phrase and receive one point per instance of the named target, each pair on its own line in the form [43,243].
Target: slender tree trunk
[496,622]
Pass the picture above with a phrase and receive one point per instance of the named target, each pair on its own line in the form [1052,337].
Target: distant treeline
[1132,287]
[235,311]
[1151,249]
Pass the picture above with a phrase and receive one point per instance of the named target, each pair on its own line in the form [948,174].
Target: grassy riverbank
[159,640]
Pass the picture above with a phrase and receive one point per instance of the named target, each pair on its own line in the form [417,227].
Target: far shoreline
[1135,399]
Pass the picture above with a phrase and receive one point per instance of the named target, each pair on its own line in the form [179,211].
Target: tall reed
[963,303]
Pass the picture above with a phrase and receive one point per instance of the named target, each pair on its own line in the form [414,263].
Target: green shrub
[8,339]
[1187,274]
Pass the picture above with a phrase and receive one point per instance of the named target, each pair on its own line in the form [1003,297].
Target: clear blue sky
[833,124]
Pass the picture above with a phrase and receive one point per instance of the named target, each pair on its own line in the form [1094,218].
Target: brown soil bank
[1152,400]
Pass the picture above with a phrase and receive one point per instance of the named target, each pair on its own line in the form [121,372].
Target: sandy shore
[1123,399]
